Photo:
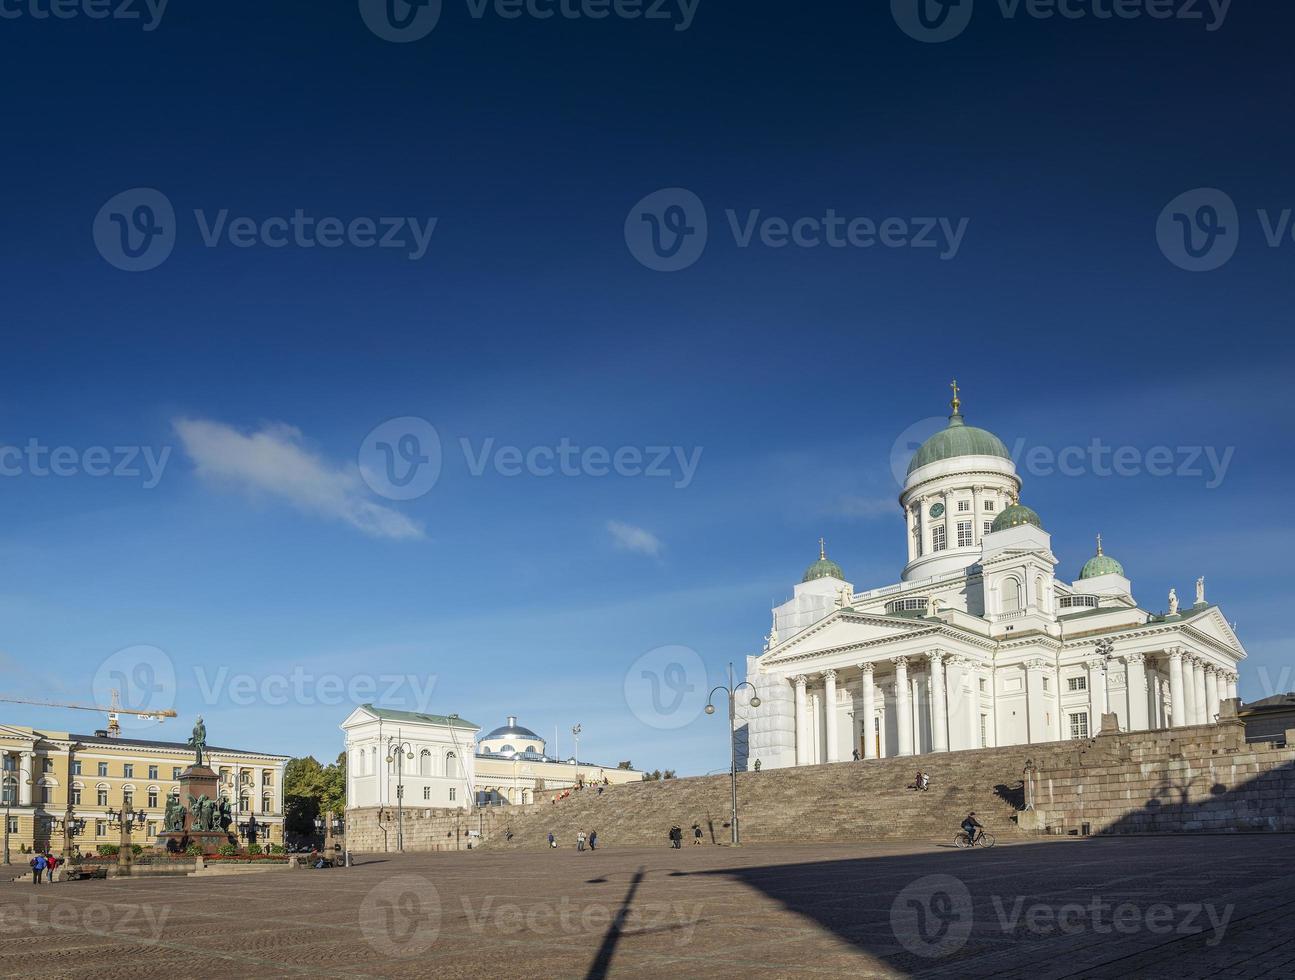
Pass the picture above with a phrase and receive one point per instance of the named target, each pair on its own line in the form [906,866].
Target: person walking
[593,840]
[552,840]
[51,862]
[696,835]
[856,755]
[580,840]
[37,866]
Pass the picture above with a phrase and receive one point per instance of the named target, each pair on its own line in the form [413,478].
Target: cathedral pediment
[845,629]
[1211,624]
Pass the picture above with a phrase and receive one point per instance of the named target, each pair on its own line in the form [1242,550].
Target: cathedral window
[989,505]
[964,506]
[1079,724]
[964,534]
[989,526]
[938,540]
[1079,683]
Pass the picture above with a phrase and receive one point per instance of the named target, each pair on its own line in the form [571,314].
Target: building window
[265,777]
[152,797]
[938,540]
[1079,683]
[964,506]
[152,829]
[13,825]
[10,763]
[101,828]
[101,797]
[1079,724]
[47,765]
[427,792]
[243,804]
[76,767]
[964,534]
[984,731]
[127,799]
[989,505]
[10,791]
[453,794]
[76,795]
[989,527]
[1047,683]
[175,772]
[152,772]
[44,793]
[984,686]
[266,806]
[128,771]
[103,769]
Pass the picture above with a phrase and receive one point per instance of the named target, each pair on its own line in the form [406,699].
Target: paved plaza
[1140,907]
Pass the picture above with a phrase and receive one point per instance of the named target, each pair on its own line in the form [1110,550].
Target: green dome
[1015,516]
[824,567]
[958,439]
[1100,564]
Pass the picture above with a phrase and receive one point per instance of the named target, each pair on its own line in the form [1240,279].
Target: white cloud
[630,538]
[866,507]
[273,461]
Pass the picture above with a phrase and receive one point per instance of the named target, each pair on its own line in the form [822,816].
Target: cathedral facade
[980,643]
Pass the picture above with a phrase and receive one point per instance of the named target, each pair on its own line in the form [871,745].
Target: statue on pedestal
[198,740]
[1200,591]
[1173,602]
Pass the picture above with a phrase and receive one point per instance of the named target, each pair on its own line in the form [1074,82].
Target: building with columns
[47,776]
[980,643]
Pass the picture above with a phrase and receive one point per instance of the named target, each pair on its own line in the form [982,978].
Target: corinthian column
[1198,692]
[1177,692]
[802,722]
[903,706]
[26,761]
[939,708]
[1135,673]
[869,710]
[829,714]
[1212,694]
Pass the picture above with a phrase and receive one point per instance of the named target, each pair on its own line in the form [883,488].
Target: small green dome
[1100,564]
[1015,516]
[957,439]
[824,567]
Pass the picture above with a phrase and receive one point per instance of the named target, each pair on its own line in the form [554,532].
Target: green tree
[310,789]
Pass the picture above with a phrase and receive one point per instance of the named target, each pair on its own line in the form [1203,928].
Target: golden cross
[957,402]
[822,549]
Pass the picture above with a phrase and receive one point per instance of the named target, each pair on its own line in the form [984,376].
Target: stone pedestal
[195,781]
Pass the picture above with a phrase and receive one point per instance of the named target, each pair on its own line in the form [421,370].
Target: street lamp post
[397,752]
[126,818]
[9,792]
[731,691]
[575,732]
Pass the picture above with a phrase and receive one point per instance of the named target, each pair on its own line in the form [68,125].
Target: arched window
[1039,591]
[1009,592]
[452,765]
[507,749]
[10,795]
[101,794]
[373,761]
[425,762]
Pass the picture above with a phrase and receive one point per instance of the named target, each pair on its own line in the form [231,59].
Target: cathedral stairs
[868,800]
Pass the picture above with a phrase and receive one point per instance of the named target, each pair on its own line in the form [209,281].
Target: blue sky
[528,321]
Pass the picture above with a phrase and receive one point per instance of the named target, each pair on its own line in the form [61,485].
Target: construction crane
[113,710]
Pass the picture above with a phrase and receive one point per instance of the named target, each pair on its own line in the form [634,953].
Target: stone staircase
[866,800]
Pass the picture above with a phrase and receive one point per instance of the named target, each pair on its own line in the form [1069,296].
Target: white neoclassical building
[980,643]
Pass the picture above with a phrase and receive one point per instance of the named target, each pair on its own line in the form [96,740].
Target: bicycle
[983,839]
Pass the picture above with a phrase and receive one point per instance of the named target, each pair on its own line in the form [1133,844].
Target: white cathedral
[980,643]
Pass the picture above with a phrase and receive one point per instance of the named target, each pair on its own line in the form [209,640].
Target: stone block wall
[373,829]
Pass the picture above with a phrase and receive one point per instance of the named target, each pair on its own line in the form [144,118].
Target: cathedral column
[869,710]
[829,715]
[976,534]
[924,525]
[1198,692]
[1036,726]
[939,709]
[1177,689]
[950,538]
[1097,703]
[1232,685]
[26,761]
[802,721]
[1211,694]
[903,706]
[1135,683]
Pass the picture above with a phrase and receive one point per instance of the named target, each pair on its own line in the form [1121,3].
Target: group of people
[591,839]
[922,781]
[676,836]
[45,864]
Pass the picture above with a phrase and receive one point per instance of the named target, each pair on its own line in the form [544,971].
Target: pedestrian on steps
[696,835]
[552,840]
[593,840]
[580,840]
[676,837]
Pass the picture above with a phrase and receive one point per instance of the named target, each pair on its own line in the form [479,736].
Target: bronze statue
[201,808]
[224,816]
[173,820]
[198,740]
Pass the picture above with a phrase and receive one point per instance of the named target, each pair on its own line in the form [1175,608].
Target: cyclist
[972,827]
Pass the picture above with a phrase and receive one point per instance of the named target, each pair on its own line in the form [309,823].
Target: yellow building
[49,776]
